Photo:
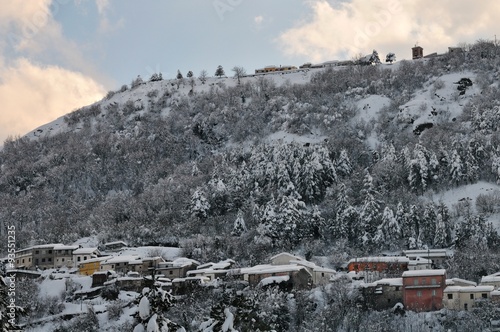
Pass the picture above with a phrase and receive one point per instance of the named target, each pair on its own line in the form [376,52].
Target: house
[423,289]
[24,259]
[46,256]
[420,264]
[438,256]
[119,264]
[284,258]
[385,264]
[492,279]
[383,294]
[320,275]
[63,255]
[115,246]
[464,297]
[417,52]
[99,278]
[178,268]
[212,271]
[146,265]
[83,254]
[298,276]
[90,266]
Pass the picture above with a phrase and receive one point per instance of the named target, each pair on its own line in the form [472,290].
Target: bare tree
[203,76]
[239,72]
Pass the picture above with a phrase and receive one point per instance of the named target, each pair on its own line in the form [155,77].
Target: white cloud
[33,95]
[102,5]
[258,19]
[358,26]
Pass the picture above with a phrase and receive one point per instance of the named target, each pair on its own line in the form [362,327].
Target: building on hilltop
[417,52]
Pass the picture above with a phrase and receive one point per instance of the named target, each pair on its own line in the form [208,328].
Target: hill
[308,161]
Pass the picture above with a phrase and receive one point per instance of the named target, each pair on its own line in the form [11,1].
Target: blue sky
[58,55]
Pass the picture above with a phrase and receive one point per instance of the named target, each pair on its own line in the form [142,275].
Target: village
[414,280]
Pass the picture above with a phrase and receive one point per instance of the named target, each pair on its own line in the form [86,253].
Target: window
[433,292]
[50,251]
[450,296]
[484,295]
[322,274]
[171,272]
[397,288]
[17,261]
[43,260]
[62,259]
[415,282]
[472,296]
[419,293]
[84,258]
[78,258]
[434,281]
[37,252]
[23,261]
[50,259]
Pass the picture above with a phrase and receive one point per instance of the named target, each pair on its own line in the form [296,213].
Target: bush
[115,310]
[110,94]
[110,292]
[124,88]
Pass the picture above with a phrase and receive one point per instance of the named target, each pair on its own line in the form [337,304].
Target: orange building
[379,264]
[423,289]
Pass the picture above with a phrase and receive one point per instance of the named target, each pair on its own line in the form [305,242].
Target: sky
[59,55]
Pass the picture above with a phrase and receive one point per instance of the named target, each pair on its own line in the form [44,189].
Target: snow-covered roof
[312,266]
[114,243]
[206,271]
[64,247]
[424,273]
[191,279]
[287,255]
[380,259]
[456,281]
[217,266]
[121,259]
[468,289]
[85,251]
[495,277]
[274,280]
[97,259]
[183,261]
[419,261]
[266,268]
[390,282]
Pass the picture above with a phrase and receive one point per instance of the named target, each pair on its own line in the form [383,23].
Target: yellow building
[90,266]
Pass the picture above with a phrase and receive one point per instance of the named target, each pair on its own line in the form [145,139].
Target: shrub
[115,310]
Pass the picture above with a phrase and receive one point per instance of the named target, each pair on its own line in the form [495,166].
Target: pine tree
[428,225]
[456,168]
[370,212]
[440,235]
[239,225]
[374,58]
[199,204]
[179,75]
[189,74]
[343,164]
[220,72]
